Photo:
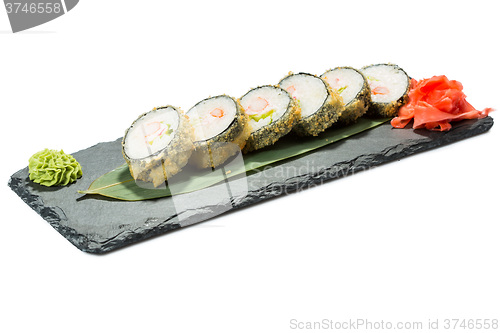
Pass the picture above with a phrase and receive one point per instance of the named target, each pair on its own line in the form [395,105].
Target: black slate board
[97,224]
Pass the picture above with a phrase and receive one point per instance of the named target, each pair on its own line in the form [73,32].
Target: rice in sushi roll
[389,86]
[272,113]
[352,86]
[320,106]
[220,128]
[158,145]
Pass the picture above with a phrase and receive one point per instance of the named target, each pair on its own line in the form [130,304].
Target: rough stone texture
[97,225]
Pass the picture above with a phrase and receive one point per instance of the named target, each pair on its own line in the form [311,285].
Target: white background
[412,240]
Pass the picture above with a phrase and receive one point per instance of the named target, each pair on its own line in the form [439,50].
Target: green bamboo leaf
[119,184]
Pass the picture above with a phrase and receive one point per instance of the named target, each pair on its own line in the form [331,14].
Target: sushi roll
[320,106]
[158,145]
[389,86]
[272,113]
[221,130]
[352,86]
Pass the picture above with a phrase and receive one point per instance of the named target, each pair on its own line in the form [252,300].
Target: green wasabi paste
[52,167]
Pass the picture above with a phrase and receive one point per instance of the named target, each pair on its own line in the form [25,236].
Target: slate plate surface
[97,224]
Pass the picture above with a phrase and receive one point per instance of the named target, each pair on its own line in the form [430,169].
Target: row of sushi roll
[161,142]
